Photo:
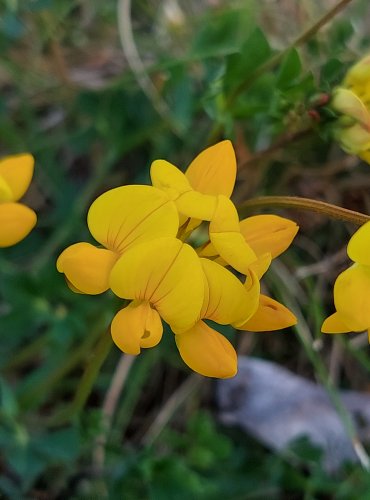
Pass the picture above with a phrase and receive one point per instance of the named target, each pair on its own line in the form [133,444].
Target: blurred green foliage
[69,97]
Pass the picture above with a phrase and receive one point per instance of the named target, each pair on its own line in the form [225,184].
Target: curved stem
[295,202]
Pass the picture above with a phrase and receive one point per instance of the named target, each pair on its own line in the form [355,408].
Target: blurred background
[98,90]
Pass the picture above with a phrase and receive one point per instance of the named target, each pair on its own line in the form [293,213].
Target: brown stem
[295,202]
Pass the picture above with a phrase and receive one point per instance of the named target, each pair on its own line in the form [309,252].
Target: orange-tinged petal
[334,324]
[129,215]
[226,300]
[359,245]
[268,233]
[137,325]
[225,235]
[207,352]
[270,316]
[17,171]
[213,171]
[86,267]
[352,297]
[167,273]
[16,222]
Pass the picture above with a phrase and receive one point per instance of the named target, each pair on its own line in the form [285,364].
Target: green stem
[295,202]
[95,362]
[32,395]
[28,353]
[275,60]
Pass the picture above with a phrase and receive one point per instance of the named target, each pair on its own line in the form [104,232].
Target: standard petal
[86,267]
[129,215]
[226,300]
[207,352]
[213,171]
[136,326]
[334,324]
[168,274]
[352,297]
[5,191]
[268,233]
[225,235]
[359,244]
[270,316]
[17,172]
[16,222]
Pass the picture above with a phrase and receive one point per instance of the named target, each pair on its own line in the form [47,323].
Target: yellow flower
[164,279]
[226,301]
[16,220]
[118,219]
[352,289]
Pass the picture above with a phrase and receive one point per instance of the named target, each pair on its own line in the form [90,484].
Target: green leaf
[254,52]
[290,69]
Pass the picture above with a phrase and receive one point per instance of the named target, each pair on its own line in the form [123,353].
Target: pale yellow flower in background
[16,220]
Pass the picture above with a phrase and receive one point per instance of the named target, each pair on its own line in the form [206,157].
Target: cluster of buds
[146,259]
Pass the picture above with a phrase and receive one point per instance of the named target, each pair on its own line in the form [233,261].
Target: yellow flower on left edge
[16,219]
[352,289]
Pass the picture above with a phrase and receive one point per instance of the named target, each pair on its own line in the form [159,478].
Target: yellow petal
[17,172]
[86,267]
[225,235]
[226,300]
[261,265]
[334,324]
[5,191]
[207,352]
[16,222]
[169,179]
[270,316]
[137,325]
[213,171]
[352,297]
[168,274]
[268,233]
[173,182]
[348,103]
[359,245]
[129,215]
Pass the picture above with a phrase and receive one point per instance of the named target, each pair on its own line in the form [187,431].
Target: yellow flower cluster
[352,101]
[352,289]
[144,258]
[16,220]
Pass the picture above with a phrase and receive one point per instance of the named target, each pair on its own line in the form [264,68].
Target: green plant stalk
[26,354]
[275,60]
[323,375]
[31,398]
[295,202]
[95,362]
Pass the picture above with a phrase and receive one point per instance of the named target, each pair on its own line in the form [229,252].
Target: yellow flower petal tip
[17,172]
[16,222]
[86,267]
[334,324]
[359,244]
[136,326]
[270,316]
[207,352]
[268,233]
[213,171]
